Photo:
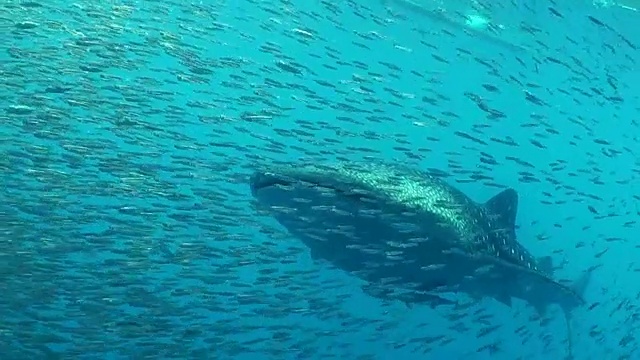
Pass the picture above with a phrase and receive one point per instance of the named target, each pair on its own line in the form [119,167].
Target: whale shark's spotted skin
[483,234]
[478,231]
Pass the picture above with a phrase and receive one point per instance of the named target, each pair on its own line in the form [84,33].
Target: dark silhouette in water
[410,235]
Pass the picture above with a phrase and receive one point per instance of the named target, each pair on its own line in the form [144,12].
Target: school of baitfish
[129,130]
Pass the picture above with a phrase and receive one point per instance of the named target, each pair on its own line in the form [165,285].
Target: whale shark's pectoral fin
[374,291]
[432,300]
[504,207]
[408,298]
[504,297]
[314,255]
[541,309]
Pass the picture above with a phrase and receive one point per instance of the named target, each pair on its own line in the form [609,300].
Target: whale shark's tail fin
[577,289]
[580,285]
[545,264]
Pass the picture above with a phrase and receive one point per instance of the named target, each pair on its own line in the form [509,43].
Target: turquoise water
[128,130]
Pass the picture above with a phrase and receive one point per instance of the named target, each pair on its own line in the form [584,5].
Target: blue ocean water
[128,130]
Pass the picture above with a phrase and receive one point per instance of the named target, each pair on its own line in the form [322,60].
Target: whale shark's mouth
[266,180]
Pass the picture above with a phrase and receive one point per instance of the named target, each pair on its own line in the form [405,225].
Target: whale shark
[410,235]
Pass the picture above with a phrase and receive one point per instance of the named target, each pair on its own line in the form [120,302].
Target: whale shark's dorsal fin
[505,207]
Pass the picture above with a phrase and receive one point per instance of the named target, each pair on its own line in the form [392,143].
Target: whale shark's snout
[290,191]
[262,180]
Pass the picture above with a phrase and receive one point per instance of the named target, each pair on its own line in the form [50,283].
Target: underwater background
[128,130]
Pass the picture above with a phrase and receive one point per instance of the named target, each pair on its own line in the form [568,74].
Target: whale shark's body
[410,235]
